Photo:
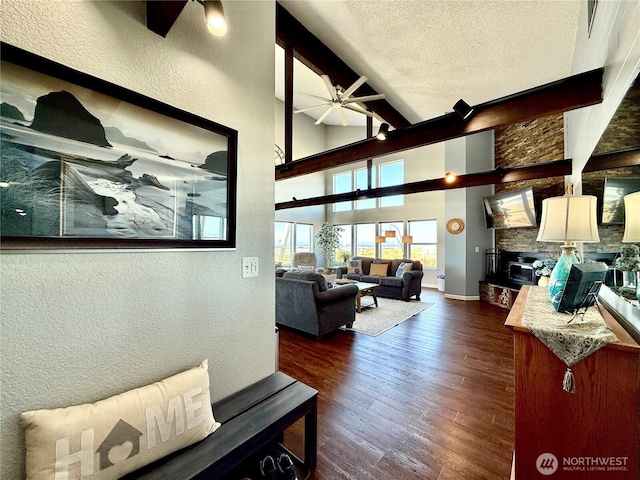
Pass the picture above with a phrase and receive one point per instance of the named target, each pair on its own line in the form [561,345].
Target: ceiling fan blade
[343,117]
[359,110]
[330,87]
[324,99]
[311,108]
[324,115]
[368,98]
[347,93]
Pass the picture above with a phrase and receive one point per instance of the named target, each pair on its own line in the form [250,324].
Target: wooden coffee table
[366,289]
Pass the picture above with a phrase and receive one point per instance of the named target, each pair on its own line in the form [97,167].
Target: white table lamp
[567,219]
[632,227]
[631,218]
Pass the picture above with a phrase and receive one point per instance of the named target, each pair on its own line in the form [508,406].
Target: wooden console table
[591,434]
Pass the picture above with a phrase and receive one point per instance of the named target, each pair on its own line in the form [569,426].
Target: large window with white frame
[391,174]
[342,183]
[384,175]
[345,248]
[282,244]
[365,239]
[290,237]
[304,238]
[393,246]
[425,242]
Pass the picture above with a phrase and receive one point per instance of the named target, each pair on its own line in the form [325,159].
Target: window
[290,238]
[206,227]
[393,247]
[282,251]
[342,184]
[425,242]
[392,174]
[386,175]
[304,238]
[345,244]
[363,184]
[365,239]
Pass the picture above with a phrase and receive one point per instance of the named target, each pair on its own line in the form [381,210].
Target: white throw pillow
[120,434]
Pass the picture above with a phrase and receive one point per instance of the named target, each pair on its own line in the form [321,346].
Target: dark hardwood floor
[432,398]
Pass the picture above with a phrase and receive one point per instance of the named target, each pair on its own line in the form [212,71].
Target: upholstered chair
[304,259]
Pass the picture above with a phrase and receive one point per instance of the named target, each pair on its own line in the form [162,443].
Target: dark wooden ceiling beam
[499,175]
[617,159]
[290,33]
[578,91]
[288,105]
[161,15]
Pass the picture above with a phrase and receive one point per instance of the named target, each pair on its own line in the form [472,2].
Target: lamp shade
[407,239]
[381,239]
[390,233]
[570,218]
[631,218]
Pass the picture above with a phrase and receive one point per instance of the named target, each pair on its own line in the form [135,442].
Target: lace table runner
[570,342]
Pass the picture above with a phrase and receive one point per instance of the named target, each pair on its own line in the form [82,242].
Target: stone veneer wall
[538,141]
[624,129]
[622,133]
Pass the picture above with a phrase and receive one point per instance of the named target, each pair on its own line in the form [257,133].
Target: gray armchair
[304,303]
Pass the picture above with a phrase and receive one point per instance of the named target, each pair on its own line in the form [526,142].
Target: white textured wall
[80,327]
[615,44]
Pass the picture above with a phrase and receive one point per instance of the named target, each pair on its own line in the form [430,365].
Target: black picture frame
[99,166]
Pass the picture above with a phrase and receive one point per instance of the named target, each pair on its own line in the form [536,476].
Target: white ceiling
[424,55]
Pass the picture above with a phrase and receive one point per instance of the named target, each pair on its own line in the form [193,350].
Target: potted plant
[543,269]
[344,256]
[629,263]
[328,239]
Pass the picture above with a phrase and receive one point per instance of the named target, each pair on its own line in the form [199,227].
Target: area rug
[389,313]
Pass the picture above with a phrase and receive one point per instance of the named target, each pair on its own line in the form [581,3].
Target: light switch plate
[249,267]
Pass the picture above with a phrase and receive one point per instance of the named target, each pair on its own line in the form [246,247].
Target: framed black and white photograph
[88,164]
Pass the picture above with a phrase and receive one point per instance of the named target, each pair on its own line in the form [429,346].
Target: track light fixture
[214,13]
[450,177]
[383,131]
[463,109]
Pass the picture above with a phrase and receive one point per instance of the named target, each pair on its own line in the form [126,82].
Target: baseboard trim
[469,298]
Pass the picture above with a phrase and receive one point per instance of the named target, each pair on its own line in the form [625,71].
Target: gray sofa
[304,303]
[391,286]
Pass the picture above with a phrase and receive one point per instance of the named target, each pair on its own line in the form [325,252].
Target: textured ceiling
[425,55]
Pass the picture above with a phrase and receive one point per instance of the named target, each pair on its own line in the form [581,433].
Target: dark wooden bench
[251,419]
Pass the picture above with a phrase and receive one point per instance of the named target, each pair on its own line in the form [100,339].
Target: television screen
[615,188]
[510,209]
[584,279]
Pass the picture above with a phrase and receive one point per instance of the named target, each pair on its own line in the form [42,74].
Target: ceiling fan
[341,99]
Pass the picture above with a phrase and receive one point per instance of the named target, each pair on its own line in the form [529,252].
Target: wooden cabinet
[591,434]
